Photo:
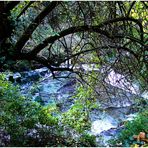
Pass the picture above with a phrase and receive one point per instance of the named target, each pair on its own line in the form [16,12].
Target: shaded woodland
[102,47]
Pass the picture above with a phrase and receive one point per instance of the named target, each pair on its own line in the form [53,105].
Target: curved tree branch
[125,19]
[102,47]
[133,3]
[65,32]
[96,29]
[45,62]
[28,32]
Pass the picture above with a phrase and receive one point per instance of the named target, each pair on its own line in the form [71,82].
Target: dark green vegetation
[133,128]
[62,36]
[27,123]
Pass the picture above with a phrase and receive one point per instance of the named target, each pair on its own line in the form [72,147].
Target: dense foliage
[27,123]
[64,36]
[129,135]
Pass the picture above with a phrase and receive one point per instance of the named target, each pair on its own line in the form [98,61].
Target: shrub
[132,128]
[24,122]
[20,116]
[76,118]
[87,140]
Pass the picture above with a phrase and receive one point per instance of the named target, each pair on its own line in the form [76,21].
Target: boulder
[69,87]
[16,77]
[30,76]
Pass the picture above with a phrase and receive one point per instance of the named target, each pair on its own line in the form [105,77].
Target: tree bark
[28,32]
[97,29]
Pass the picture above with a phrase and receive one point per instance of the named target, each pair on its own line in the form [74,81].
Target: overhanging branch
[96,29]
[65,32]
[28,32]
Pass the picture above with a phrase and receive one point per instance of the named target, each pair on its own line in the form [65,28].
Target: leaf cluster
[134,127]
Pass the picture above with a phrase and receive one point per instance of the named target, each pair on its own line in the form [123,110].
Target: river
[40,85]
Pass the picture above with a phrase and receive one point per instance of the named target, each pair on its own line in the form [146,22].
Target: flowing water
[52,91]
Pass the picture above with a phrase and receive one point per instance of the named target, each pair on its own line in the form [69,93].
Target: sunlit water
[103,124]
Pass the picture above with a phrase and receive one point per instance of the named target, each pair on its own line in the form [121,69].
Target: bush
[76,118]
[133,128]
[20,114]
[87,140]
[24,122]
